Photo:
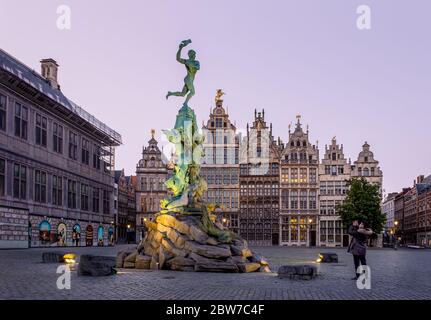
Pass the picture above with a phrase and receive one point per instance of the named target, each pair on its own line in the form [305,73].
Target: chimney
[420,179]
[49,68]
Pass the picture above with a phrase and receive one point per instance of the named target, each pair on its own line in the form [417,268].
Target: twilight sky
[289,57]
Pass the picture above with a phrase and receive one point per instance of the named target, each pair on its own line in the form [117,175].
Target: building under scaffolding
[56,163]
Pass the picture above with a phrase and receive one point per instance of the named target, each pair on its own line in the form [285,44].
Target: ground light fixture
[69,258]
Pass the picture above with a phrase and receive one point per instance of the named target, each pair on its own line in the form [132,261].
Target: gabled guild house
[56,163]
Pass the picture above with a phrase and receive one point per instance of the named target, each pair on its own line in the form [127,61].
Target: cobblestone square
[401,274]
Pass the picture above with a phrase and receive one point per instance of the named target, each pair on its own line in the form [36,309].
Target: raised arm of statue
[179,59]
[182,45]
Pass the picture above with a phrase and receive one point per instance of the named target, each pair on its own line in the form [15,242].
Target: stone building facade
[416,226]
[56,163]
[259,184]
[368,167]
[334,172]
[220,166]
[388,209]
[299,187]
[126,207]
[152,171]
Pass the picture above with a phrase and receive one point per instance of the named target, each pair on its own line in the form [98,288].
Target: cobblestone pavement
[401,274]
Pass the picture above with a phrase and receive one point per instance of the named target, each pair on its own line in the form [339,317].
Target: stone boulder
[142,262]
[96,266]
[203,264]
[189,242]
[249,267]
[207,250]
[181,264]
[297,272]
[119,260]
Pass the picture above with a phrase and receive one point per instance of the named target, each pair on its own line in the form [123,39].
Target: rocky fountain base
[191,242]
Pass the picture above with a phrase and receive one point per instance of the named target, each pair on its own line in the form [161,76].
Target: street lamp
[310,221]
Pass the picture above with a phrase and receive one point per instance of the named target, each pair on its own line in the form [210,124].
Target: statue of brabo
[192,67]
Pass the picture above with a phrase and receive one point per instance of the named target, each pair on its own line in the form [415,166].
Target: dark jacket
[359,237]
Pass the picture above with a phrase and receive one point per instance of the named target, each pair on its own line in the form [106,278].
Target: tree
[362,203]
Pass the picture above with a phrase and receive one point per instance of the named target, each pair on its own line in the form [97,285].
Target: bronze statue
[192,67]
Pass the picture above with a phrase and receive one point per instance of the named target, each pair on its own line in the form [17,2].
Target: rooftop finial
[153,132]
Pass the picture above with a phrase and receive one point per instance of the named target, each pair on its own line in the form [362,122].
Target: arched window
[360,171]
[366,172]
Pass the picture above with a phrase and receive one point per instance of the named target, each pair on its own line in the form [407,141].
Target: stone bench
[53,257]
[96,266]
[328,257]
[297,272]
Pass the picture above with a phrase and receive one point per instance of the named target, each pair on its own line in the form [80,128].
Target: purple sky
[289,57]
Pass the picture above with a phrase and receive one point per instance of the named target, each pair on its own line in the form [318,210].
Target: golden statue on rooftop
[219,94]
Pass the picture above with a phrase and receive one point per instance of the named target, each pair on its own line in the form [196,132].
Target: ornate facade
[334,172]
[220,166]
[366,166]
[151,174]
[269,192]
[299,186]
[259,182]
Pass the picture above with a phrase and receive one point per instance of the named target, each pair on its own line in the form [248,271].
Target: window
[57,137]
[96,193]
[313,175]
[2,177]
[85,152]
[303,200]
[366,172]
[294,175]
[41,124]
[84,197]
[21,121]
[327,169]
[219,123]
[334,156]
[57,190]
[71,194]
[40,186]
[19,181]
[73,146]
[340,170]
[334,170]
[285,199]
[312,200]
[96,157]
[2,112]
[105,201]
[294,200]
[303,175]
[285,175]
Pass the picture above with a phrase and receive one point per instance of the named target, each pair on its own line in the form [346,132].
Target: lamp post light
[310,221]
